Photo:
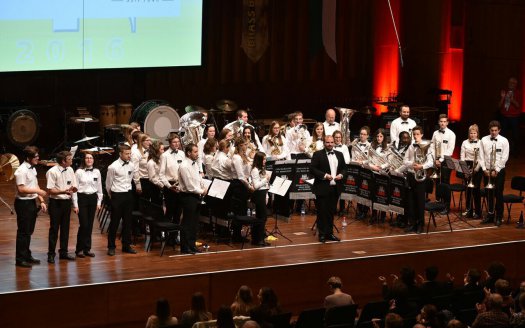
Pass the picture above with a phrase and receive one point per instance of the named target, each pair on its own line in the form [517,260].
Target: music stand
[461,167]
[279,188]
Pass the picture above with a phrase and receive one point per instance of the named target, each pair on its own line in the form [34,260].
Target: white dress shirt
[61,178]
[408,160]
[140,163]
[447,138]
[208,164]
[154,173]
[332,160]
[329,129]
[502,152]
[119,176]
[190,180]
[344,150]
[169,166]
[259,182]
[222,166]
[467,151]
[267,148]
[399,125]
[89,182]
[293,139]
[240,170]
[26,175]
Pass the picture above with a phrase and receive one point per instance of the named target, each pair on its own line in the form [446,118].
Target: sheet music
[206,183]
[280,186]
[218,188]
[73,150]
[310,181]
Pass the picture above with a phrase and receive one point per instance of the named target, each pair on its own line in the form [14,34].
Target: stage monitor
[37,35]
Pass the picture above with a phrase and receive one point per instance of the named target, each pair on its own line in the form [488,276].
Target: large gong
[22,128]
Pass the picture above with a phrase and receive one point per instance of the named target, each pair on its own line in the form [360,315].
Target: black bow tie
[64,170]
[331,124]
[193,163]
[89,170]
[404,122]
[416,145]
[442,131]
[125,163]
[31,167]
[174,151]
[494,139]
[330,153]
[473,141]
[362,144]
[338,146]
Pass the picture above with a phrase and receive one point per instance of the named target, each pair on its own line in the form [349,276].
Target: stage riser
[128,304]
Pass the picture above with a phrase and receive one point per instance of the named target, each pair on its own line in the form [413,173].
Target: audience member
[251,324]
[402,291]
[502,287]
[337,298]
[162,316]
[428,316]
[268,307]
[225,317]
[243,302]
[430,287]
[392,320]
[495,271]
[493,316]
[517,319]
[454,323]
[519,292]
[197,312]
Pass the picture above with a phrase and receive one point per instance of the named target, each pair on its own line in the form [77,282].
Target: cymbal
[194,108]
[8,165]
[86,139]
[227,105]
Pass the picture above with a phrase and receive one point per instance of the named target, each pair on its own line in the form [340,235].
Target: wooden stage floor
[359,242]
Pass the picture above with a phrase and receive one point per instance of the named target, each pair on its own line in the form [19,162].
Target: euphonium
[474,165]
[420,156]
[361,155]
[437,152]
[492,167]
[377,160]
[394,158]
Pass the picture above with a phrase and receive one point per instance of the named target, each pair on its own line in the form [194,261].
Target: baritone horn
[346,115]
[420,157]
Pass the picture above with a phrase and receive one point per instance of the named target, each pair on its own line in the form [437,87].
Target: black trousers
[259,199]
[190,221]
[416,202]
[120,209]
[26,212]
[60,216]
[445,178]
[173,205]
[87,206]
[238,204]
[326,208]
[496,193]
[473,195]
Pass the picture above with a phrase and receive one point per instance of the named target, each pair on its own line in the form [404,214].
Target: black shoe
[487,220]
[51,259]
[498,222]
[420,230]
[322,239]
[66,257]
[332,238]
[444,212]
[129,250]
[80,254]
[32,260]
[467,214]
[111,251]
[410,229]
[89,254]
[195,250]
[186,251]
[261,244]
[475,216]
[23,264]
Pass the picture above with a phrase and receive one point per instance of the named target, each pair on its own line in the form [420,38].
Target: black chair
[438,206]
[517,183]
[341,316]
[313,318]
[458,187]
[370,311]
[281,320]
[443,302]
[243,221]
[467,316]
[159,227]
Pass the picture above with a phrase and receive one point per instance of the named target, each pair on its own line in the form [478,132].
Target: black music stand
[461,167]
[283,211]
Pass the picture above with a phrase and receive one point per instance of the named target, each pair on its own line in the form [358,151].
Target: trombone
[492,167]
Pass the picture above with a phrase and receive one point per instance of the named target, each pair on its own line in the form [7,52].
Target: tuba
[346,115]
[191,123]
[420,156]
[437,152]
[492,167]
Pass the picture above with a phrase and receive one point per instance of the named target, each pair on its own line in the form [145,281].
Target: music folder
[280,186]
[218,188]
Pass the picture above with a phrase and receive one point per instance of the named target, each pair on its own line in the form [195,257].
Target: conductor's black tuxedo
[326,195]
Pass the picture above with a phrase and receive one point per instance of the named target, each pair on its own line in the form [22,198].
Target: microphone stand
[397,35]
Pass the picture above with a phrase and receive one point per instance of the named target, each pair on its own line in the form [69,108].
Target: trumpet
[420,156]
[492,167]
[474,165]
[437,151]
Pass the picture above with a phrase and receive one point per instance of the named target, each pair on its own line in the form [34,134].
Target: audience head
[431,273]
[225,317]
[251,324]
[407,276]
[244,295]
[502,287]
[163,311]
[494,302]
[198,304]
[335,283]
[473,276]
[496,270]
[454,323]
[393,320]
[522,302]
[268,297]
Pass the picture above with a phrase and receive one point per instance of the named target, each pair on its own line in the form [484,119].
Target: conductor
[328,168]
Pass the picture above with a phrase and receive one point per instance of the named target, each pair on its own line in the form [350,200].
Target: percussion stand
[62,144]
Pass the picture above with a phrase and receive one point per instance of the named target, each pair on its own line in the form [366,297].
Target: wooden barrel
[124,113]
[107,116]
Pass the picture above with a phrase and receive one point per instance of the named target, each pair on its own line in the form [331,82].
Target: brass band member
[260,181]
[251,144]
[209,151]
[495,156]
[170,161]
[316,140]
[274,143]
[139,159]
[402,123]
[155,152]
[445,140]
[192,189]
[330,125]
[222,164]
[210,133]
[118,186]
[86,201]
[61,184]
[298,137]
[379,143]
[26,206]
[416,193]
[472,152]
[363,145]
[240,186]
[338,145]
[227,134]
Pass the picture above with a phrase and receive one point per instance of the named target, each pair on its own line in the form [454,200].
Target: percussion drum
[157,118]
[124,113]
[22,128]
[107,116]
